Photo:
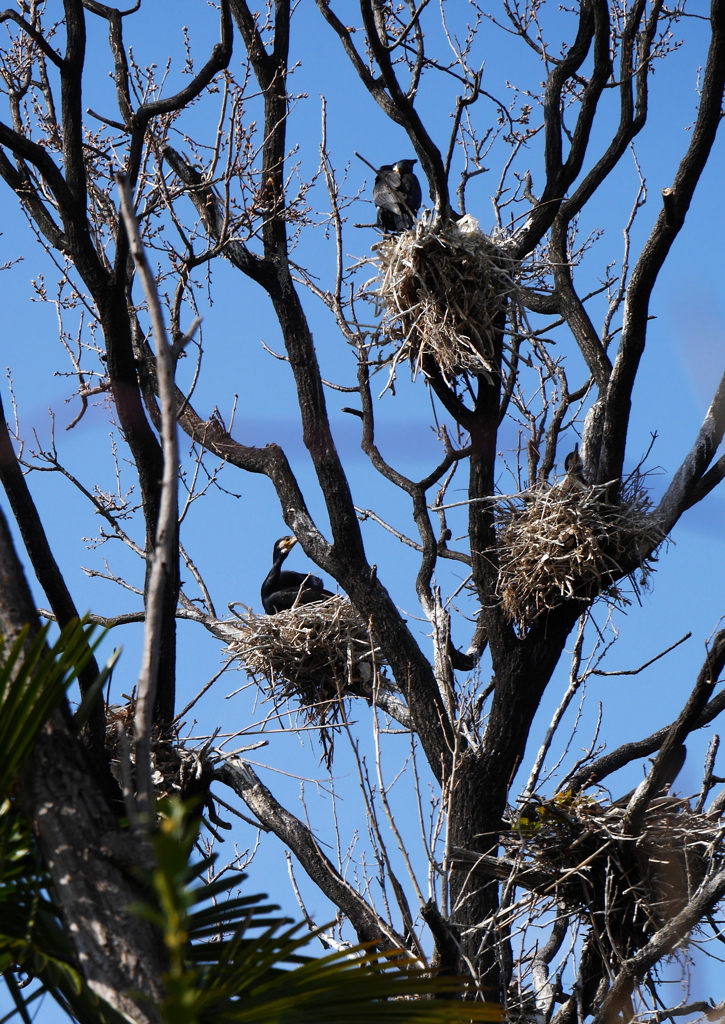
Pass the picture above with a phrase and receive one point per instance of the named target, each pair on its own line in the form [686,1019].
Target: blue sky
[230,538]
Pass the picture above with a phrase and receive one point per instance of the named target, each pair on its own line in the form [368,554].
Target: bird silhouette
[574,467]
[397,195]
[282,589]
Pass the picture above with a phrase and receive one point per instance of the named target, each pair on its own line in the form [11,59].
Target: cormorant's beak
[288,543]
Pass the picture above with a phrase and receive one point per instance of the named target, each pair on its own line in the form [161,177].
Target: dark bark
[522,673]
[447,946]
[50,578]
[85,853]
[17,607]
[691,483]
[573,310]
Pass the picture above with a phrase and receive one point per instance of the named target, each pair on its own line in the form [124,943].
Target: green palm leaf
[232,960]
[33,679]
[233,963]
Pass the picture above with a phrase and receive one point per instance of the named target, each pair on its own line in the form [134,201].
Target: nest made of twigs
[626,886]
[317,654]
[567,542]
[443,290]
[176,771]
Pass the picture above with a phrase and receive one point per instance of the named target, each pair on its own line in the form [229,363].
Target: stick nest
[176,771]
[316,653]
[626,887]
[567,542]
[443,290]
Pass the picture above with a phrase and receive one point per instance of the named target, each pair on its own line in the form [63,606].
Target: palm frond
[33,940]
[233,960]
[236,962]
[33,680]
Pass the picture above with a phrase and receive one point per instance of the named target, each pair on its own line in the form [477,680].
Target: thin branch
[240,777]
[616,759]
[166,528]
[706,682]
[636,671]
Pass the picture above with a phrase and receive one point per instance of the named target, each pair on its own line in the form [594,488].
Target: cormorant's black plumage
[281,588]
[397,195]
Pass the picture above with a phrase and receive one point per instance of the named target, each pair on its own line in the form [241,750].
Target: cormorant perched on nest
[397,195]
[574,467]
[281,590]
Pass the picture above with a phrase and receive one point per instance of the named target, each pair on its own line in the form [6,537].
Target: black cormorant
[575,478]
[281,589]
[397,195]
[573,464]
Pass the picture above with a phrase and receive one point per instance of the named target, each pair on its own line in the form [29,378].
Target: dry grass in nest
[316,653]
[175,770]
[626,888]
[567,542]
[443,290]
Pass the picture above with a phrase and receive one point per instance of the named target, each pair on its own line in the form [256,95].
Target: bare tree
[549,899]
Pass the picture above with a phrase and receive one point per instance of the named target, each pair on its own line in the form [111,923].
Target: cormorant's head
[573,461]
[284,545]
[404,166]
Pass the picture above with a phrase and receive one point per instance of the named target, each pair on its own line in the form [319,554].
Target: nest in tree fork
[444,290]
[316,654]
[625,886]
[176,771]
[567,542]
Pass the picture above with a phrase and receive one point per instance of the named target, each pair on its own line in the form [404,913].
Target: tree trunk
[90,859]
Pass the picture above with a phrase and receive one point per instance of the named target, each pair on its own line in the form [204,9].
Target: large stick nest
[444,289]
[626,887]
[567,542]
[317,654]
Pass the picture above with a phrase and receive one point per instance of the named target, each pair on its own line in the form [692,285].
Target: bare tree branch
[369,927]
[166,544]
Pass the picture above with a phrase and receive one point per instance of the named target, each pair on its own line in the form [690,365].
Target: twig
[701,693]
[204,688]
[636,671]
[575,681]
[661,943]
[708,780]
